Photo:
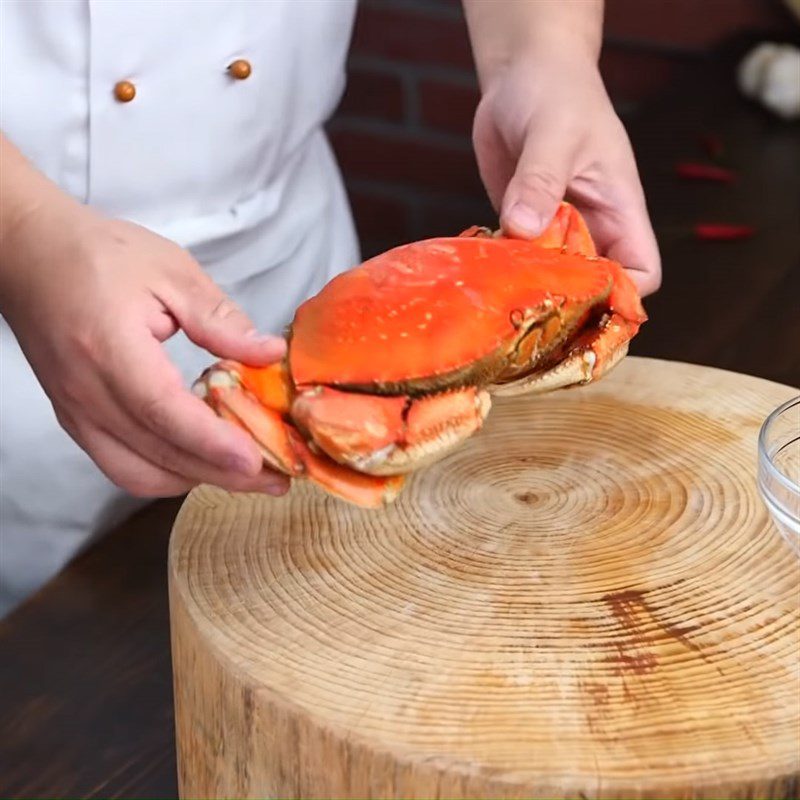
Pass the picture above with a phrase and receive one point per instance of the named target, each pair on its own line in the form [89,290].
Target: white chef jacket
[237,171]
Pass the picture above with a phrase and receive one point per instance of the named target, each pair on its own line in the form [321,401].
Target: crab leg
[440,422]
[596,351]
[264,424]
[367,491]
[592,355]
[566,232]
[256,399]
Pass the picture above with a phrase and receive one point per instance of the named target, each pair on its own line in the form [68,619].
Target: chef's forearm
[502,31]
[24,194]
[23,191]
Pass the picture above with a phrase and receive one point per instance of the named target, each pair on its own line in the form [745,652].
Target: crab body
[394,362]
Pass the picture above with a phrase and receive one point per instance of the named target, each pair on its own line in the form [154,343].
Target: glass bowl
[779,469]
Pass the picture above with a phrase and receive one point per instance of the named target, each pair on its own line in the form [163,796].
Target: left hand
[544,130]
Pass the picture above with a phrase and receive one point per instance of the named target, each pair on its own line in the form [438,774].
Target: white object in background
[770,73]
[794,7]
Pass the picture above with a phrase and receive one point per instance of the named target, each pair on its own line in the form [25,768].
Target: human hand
[90,301]
[545,130]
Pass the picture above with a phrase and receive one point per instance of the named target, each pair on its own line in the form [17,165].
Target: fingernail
[524,220]
[242,465]
[265,337]
[277,488]
[277,342]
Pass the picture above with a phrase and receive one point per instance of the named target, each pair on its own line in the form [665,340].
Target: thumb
[537,187]
[214,322]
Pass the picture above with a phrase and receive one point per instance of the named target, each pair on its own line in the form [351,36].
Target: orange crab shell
[434,306]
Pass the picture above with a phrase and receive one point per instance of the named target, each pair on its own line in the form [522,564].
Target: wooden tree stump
[586,600]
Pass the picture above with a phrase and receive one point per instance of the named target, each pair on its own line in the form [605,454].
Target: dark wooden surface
[734,305]
[85,674]
[85,682]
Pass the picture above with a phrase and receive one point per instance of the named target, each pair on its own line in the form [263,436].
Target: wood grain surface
[586,600]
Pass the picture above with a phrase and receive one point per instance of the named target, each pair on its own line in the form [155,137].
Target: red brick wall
[402,131]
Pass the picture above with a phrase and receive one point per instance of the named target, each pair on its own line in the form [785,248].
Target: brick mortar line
[411,128]
[400,132]
[466,78]
[411,196]
[410,77]
[417,131]
[461,76]
[419,8]
[412,103]
[455,13]
[645,46]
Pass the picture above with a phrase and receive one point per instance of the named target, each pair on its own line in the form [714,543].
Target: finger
[162,453]
[638,252]
[495,164]
[127,469]
[626,235]
[149,388]
[214,322]
[538,185]
[613,204]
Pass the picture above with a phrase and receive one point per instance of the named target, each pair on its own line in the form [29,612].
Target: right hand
[90,301]
[545,130]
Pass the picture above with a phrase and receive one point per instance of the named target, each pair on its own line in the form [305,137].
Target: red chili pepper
[706,172]
[712,144]
[722,232]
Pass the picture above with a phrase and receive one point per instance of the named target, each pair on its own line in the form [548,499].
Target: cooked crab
[394,362]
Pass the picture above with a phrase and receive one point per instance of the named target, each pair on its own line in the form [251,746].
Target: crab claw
[257,400]
[567,232]
[366,491]
[222,387]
